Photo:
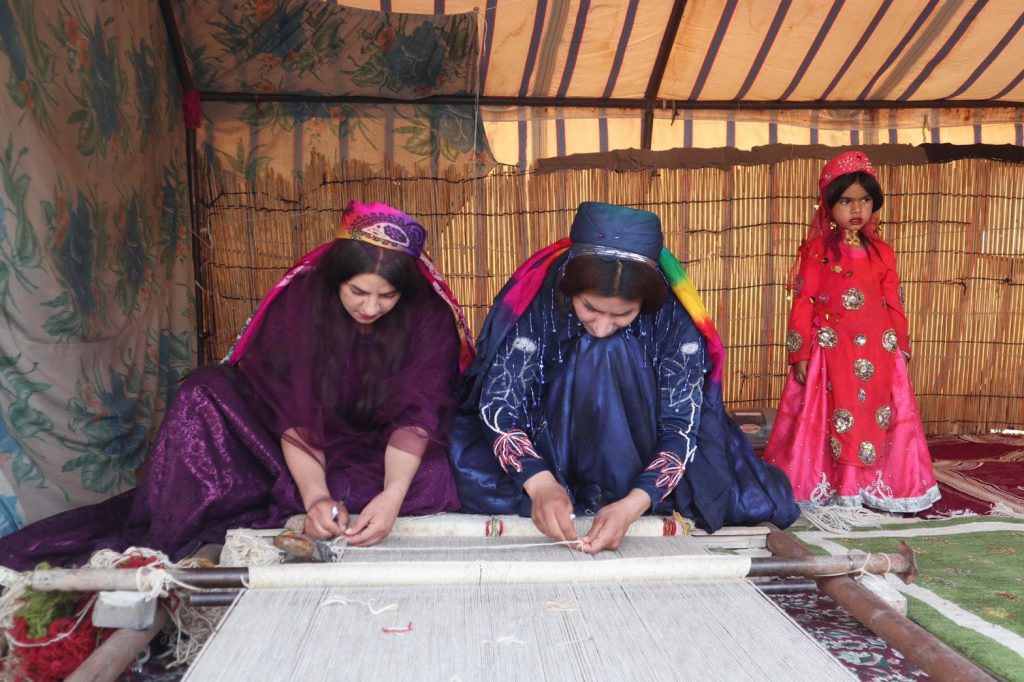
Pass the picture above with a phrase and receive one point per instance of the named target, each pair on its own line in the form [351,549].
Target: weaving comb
[299,548]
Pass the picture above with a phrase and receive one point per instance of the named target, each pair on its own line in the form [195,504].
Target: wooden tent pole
[191,170]
[668,39]
[919,646]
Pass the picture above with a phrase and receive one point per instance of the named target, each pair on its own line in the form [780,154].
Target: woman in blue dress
[597,390]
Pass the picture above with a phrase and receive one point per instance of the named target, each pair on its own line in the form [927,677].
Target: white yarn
[679,567]
[505,639]
[193,627]
[466,548]
[837,519]
[953,514]
[1003,509]
[369,604]
[11,602]
[9,577]
[562,606]
[247,548]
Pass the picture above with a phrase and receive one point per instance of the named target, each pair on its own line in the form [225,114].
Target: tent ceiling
[741,52]
[558,77]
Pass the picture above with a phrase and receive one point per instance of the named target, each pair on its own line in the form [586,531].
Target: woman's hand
[552,510]
[376,520]
[320,522]
[612,522]
[800,371]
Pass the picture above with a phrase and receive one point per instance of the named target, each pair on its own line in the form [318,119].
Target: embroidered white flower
[690,348]
[524,344]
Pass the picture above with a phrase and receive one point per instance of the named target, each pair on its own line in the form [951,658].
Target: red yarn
[56,660]
[193,109]
[136,561]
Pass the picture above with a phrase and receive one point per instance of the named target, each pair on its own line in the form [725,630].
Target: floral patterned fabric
[94,249]
[312,47]
[317,47]
[248,140]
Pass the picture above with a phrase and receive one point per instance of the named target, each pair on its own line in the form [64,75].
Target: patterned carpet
[977,472]
[864,654]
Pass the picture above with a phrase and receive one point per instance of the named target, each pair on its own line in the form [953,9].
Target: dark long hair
[625,279]
[348,258]
[834,192]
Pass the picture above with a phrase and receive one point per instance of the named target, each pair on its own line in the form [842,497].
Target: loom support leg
[920,647]
[111,658]
[117,653]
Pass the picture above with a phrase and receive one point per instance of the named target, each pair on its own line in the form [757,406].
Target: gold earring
[832,225]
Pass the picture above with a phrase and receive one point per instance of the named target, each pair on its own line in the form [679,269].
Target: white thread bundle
[395,574]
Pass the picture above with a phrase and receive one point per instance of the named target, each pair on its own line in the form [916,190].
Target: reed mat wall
[956,225]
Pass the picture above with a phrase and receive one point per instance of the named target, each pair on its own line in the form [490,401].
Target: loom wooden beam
[482,572]
[903,564]
[920,647]
[191,169]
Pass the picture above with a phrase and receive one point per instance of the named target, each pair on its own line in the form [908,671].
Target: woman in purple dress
[336,398]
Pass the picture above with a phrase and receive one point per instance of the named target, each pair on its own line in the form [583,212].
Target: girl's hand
[800,371]
[319,523]
[612,522]
[552,510]
[376,520]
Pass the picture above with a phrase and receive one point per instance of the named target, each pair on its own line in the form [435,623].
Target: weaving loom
[625,622]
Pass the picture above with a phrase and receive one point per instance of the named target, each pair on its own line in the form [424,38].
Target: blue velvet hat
[614,231]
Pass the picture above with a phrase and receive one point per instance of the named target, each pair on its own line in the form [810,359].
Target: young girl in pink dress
[848,430]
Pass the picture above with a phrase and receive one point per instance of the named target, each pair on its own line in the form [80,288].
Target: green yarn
[42,608]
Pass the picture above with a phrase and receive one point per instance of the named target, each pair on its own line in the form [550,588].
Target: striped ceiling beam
[623,103]
[658,72]
[1000,46]
[872,25]
[823,31]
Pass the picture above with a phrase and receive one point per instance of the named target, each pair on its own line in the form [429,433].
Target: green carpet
[967,563]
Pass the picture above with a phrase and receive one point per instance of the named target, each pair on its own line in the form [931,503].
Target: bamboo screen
[956,227]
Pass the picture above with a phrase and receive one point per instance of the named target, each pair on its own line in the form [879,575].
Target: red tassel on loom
[193,109]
